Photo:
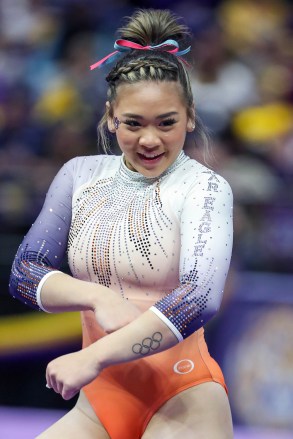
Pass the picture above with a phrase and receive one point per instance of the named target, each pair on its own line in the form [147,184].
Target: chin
[153,173]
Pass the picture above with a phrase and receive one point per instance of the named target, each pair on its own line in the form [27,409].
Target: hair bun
[154,26]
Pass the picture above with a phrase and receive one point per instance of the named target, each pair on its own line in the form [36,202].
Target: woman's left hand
[68,374]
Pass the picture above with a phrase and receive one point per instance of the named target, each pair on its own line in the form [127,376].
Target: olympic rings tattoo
[148,344]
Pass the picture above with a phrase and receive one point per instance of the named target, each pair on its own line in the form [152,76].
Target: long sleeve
[206,245]
[43,248]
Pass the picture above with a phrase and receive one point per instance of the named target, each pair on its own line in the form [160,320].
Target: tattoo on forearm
[148,344]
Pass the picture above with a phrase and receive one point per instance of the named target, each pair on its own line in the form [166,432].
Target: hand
[114,312]
[69,373]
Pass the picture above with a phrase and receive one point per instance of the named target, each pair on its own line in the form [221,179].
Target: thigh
[80,422]
[200,412]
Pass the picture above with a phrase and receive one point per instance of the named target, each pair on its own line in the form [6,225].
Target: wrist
[91,296]
[100,354]
[63,292]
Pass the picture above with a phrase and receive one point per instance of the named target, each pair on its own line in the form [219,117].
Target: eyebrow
[161,116]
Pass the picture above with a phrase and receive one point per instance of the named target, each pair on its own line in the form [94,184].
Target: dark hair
[150,27]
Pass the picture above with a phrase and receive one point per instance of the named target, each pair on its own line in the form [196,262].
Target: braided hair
[149,27]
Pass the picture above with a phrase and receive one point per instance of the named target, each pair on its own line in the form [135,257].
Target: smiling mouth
[150,157]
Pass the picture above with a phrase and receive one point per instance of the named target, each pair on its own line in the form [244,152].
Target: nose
[149,138]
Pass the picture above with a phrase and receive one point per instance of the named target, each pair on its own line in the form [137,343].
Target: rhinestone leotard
[166,241]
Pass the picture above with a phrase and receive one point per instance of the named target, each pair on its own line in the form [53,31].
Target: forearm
[61,292]
[146,335]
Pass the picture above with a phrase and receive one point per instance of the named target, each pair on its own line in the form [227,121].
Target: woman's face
[150,121]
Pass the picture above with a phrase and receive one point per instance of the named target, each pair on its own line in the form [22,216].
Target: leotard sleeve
[206,245]
[43,248]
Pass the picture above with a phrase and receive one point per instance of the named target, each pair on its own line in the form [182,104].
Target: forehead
[150,95]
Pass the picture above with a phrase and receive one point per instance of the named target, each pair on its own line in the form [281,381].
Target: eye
[168,122]
[132,123]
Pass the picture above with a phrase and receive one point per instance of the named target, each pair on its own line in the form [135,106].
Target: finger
[53,384]
[58,386]
[48,380]
[68,393]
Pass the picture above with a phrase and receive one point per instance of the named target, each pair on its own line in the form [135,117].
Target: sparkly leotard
[163,243]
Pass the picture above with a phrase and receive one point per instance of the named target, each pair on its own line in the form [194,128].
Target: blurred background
[50,103]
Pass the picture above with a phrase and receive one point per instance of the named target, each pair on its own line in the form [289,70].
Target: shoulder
[207,191]
[92,164]
[212,181]
[206,187]
[85,169]
[195,176]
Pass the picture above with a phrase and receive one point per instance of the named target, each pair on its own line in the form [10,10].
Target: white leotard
[163,241]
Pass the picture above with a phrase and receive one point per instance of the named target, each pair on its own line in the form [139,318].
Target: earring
[116,122]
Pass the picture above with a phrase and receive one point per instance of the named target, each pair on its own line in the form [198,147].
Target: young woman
[149,237]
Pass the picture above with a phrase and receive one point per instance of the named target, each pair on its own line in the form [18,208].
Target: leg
[201,412]
[80,422]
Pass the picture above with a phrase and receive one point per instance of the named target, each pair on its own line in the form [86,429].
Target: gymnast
[148,236]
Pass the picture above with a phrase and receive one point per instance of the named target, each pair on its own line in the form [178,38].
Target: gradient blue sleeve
[206,245]
[44,246]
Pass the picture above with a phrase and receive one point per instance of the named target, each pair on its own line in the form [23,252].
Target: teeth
[150,156]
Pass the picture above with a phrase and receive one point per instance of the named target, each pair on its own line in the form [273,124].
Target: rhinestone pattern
[123,230]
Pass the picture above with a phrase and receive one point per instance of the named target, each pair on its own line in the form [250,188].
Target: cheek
[125,140]
[176,139]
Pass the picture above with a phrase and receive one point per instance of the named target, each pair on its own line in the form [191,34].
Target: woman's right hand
[62,292]
[113,311]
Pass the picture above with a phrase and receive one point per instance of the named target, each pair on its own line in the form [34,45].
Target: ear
[190,125]
[191,121]
[110,121]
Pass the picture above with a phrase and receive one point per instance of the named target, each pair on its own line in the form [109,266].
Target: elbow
[12,286]
[24,292]
[11,290]
[199,320]
[210,312]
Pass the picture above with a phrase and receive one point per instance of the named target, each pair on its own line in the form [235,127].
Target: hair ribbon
[170,46]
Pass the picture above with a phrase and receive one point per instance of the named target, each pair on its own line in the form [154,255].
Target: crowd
[241,72]
[242,79]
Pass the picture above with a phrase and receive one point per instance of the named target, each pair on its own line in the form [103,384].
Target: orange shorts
[126,396]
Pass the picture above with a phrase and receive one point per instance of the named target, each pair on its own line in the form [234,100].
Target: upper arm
[206,245]
[43,248]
